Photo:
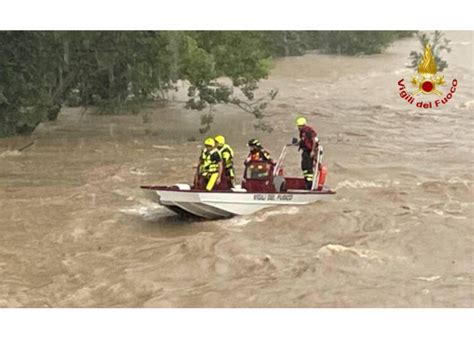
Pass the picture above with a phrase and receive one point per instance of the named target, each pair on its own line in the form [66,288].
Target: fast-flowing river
[76,231]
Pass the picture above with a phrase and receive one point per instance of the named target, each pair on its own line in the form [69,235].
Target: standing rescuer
[210,164]
[227,155]
[308,144]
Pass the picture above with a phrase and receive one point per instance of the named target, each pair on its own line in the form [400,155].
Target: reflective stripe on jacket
[210,161]
[227,155]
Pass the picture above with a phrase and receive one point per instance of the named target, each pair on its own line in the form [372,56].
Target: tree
[239,56]
[28,81]
[355,42]
[119,70]
[438,46]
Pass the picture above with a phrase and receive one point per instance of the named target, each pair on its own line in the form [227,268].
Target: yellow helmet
[220,139]
[300,121]
[209,142]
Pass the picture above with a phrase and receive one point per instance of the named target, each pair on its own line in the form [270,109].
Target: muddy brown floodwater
[76,231]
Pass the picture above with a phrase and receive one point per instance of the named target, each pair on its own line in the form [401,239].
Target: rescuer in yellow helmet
[210,164]
[227,155]
[308,143]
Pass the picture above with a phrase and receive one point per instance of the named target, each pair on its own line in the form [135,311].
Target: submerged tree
[239,56]
[117,71]
[29,81]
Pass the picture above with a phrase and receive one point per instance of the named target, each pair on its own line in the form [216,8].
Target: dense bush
[355,42]
[41,71]
[288,43]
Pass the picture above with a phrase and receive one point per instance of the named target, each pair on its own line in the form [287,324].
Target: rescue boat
[263,185]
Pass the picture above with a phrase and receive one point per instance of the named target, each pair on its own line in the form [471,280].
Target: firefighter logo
[427,80]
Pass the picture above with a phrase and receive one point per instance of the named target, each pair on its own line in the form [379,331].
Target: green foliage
[285,43]
[28,85]
[117,71]
[206,121]
[240,56]
[404,34]
[355,42]
[288,43]
[438,46]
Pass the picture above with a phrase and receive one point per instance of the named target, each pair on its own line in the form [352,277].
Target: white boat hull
[213,205]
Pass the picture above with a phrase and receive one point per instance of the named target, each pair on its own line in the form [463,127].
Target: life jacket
[227,154]
[308,137]
[210,161]
[259,155]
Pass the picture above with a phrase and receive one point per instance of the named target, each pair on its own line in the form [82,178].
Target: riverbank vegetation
[117,71]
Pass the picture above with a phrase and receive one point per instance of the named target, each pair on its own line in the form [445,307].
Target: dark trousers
[230,173]
[307,167]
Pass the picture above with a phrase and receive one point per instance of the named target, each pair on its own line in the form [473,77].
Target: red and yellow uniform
[308,144]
